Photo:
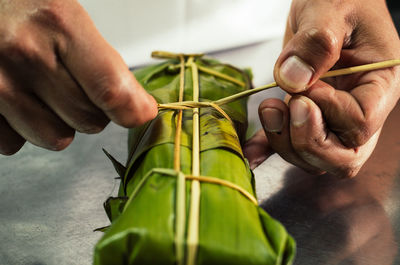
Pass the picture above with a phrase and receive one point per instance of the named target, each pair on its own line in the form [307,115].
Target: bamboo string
[224,183]
[182,106]
[362,68]
[185,105]
[144,180]
[334,73]
[171,55]
[221,75]
[177,160]
[244,94]
[181,178]
[194,215]
[180,221]
[207,179]
[220,110]
[215,73]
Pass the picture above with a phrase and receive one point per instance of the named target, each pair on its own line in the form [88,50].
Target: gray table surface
[51,202]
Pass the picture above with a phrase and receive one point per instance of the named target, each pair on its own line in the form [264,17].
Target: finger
[104,76]
[356,115]
[34,121]
[318,146]
[10,141]
[314,48]
[257,149]
[274,116]
[64,96]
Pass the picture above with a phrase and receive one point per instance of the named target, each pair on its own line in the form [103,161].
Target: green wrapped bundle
[187,193]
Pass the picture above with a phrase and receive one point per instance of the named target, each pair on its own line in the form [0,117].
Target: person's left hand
[331,125]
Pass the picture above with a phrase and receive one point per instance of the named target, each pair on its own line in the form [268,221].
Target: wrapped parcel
[187,195]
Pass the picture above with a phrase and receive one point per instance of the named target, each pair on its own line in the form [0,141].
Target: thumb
[314,48]
[104,76]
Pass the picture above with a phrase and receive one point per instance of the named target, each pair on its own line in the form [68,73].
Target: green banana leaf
[232,229]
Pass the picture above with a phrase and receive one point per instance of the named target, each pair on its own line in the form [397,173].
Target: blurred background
[136,28]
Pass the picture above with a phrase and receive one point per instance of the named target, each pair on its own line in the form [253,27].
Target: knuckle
[358,126]
[322,42]
[113,95]
[53,15]
[363,135]
[20,48]
[109,93]
[357,136]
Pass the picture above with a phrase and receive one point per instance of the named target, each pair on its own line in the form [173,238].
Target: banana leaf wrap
[151,215]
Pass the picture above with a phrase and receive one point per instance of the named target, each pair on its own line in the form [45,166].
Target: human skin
[58,75]
[331,125]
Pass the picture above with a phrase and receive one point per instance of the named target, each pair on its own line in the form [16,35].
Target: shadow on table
[333,221]
[345,221]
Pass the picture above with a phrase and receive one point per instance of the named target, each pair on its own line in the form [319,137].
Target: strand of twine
[225,183]
[191,104]
[177,160]
[214,73]
[181,180]
[194,215]
[179,174]
[229,99]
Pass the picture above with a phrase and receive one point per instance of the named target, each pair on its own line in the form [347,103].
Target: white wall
[136,27]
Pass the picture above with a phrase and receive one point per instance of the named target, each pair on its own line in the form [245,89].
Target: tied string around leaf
[195,105]
[180,202]
[185,105]
[194,214]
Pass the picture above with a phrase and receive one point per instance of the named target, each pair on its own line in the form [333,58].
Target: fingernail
[273,119]
[299,112]
[295,73]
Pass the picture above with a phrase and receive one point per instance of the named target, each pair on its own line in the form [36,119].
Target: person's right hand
[331,125]
[58,75]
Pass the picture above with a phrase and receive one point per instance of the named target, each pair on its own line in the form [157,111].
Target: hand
[332,125]
[58,75]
